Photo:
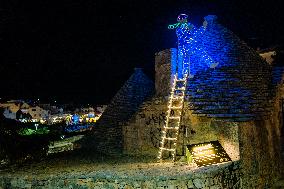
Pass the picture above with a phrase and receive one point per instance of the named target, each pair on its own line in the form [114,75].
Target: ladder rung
[180,80]
[176,107]
[165,138]
[178,97]
[176,128]
[168,149]
[180,89]
[174,117]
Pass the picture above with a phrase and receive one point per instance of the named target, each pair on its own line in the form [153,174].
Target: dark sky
[84,50]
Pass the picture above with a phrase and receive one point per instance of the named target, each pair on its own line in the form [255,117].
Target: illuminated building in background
[36,113]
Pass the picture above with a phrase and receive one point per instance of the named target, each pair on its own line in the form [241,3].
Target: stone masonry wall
[107,135]
[255,143]
[202,129]
[216,177]
[142,132]
[260,149]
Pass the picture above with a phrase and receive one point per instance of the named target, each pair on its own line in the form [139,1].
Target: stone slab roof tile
[241,84]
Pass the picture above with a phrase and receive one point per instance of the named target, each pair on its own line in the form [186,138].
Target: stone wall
[107,134]
[255,143]
[228,136]
[226,175]
[201,129]
[260,149]
[142,132]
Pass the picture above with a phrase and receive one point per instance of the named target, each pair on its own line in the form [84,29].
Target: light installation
[171,128]
[206,154]
[75,118]
[80,123]
[190,48]
[79,119]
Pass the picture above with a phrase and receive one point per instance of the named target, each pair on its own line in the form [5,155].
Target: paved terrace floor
[78,163]
[82,164]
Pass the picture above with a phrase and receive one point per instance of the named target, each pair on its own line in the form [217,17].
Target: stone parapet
[225,175]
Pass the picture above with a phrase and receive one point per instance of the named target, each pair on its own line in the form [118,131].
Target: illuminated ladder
[171,128]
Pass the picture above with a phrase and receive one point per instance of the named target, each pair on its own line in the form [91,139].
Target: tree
[15,148]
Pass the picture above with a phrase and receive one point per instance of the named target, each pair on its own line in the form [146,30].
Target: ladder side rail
[180,114]
[164,132]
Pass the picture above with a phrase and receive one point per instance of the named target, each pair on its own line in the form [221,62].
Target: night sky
[83,51]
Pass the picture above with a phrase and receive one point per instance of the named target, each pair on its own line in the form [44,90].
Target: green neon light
[173,26]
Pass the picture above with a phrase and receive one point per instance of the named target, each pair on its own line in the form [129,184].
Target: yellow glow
[204,153]
[201,148]
[92,120]
[42,121]
[207,154]
[176,118]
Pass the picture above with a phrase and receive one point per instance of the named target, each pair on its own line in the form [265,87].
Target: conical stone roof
[126,101]
[107,136]
[239,88]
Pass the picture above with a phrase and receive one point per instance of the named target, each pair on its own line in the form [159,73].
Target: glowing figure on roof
[189,47]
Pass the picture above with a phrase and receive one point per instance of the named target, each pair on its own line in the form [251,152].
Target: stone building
[107,137]
[239,104]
